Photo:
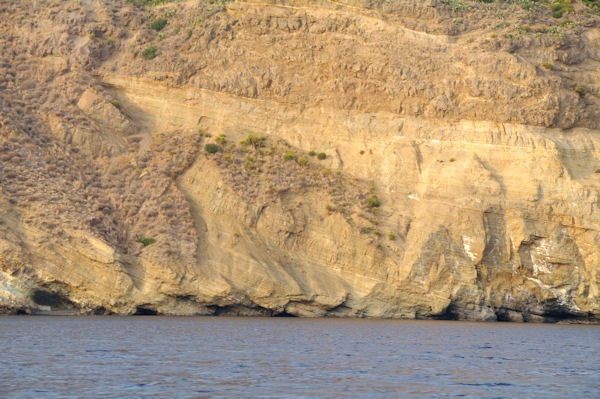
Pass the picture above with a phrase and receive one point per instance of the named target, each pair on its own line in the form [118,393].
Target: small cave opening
[52,299]
[502,315]
[284,314]
[450,313]
[144,310]
[100,311]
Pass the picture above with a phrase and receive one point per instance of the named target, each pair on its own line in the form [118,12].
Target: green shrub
[372,201]
[559,7]
[169,13]
[221,140]
[143,3]
[149,52]
[392,236]
[455,5]
[580,90]
[249,161]
[289,156]
[211,148]
[312,153]
[593,4]
[321,156]
[116,103]
[158,24]
[303,161]
[254,141]
[548,66]
[452,159]
[145,240]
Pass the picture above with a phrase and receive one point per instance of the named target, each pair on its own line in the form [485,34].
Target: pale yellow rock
[485,163]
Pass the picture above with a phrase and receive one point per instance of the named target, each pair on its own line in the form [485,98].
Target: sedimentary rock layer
[459,175]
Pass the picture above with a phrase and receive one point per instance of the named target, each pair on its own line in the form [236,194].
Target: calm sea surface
[160,357]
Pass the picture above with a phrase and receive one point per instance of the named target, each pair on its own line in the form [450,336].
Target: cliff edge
[399,159]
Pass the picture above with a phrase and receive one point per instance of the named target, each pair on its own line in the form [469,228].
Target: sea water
[213,357]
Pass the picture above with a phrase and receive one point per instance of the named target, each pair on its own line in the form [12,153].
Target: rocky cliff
[404,159]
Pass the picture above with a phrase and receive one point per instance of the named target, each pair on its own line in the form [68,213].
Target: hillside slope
[163,159]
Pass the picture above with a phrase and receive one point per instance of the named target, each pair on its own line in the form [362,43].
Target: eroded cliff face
[476,131]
